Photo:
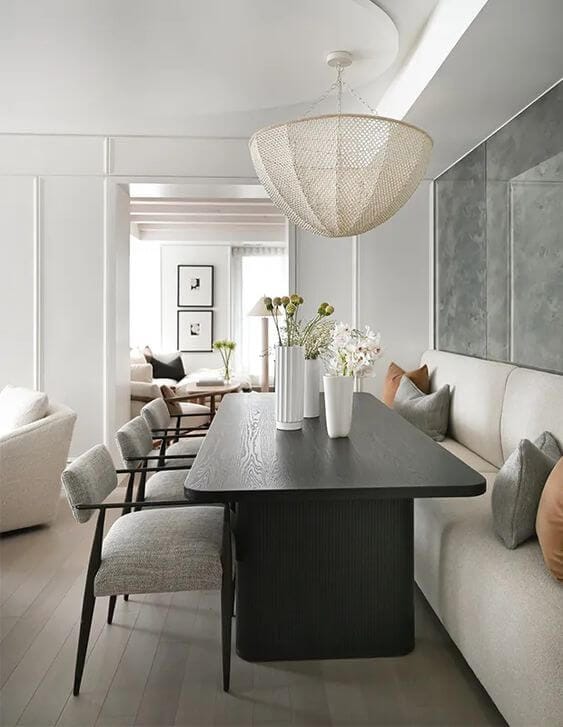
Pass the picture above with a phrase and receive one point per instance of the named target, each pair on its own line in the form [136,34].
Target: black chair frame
[95,559]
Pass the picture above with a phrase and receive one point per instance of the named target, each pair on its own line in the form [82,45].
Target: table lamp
[259,310]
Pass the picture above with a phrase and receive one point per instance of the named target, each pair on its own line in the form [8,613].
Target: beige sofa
[32,458]
[501,607]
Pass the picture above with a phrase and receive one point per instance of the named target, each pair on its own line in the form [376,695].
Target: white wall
[220,257]
[145,300]
[380,279]
[64,245]
[394,285]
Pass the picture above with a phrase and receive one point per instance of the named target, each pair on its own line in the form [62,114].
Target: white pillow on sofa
[20,406]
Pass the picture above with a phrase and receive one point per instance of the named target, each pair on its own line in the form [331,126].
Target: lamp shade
[342,174]
[259,309]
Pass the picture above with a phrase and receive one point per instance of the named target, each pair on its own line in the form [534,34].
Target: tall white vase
[290,385]
[312,388]
[339,400]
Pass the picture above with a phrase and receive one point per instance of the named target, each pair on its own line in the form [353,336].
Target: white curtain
[255,271]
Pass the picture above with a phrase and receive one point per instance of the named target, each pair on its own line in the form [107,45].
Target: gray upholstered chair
[174,547]
[134,441]
[174,439]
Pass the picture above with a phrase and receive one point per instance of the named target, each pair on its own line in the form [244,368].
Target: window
[256,271]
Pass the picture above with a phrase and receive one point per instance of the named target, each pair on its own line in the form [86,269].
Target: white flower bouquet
[353,352]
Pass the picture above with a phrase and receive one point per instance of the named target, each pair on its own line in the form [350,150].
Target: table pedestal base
[324,579]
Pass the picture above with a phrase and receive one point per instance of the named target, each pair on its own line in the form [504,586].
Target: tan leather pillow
[549,522]
[419,377]
[173,406]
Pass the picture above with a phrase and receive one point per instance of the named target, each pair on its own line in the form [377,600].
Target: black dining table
[323,527]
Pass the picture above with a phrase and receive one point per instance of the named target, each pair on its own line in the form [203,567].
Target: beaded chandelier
[340,174]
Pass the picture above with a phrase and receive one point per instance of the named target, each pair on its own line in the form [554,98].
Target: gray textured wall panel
[499,243]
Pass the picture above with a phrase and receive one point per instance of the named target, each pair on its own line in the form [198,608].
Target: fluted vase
[290,384]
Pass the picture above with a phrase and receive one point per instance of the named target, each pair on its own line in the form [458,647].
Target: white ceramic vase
[339,400]
[290,385]
[312,388]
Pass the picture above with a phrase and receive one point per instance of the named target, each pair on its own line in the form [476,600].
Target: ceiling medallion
[340,174]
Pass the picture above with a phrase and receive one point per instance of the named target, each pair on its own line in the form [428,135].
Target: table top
[194,389]
[243,456]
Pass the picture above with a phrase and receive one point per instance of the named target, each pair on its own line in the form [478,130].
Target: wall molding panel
[499,243]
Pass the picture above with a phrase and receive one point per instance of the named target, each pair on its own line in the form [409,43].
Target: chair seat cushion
[467,456]
[166,485]
[187,445]
[162,551]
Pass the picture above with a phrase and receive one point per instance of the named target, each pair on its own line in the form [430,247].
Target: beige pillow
[173,406]
[549,522]
[393,379]
[20,406]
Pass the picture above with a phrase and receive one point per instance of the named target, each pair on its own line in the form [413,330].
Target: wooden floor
[159,663]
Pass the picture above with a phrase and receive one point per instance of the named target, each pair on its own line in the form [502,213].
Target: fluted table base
[324,579]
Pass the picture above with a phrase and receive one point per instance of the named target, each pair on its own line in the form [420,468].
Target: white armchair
[32,458]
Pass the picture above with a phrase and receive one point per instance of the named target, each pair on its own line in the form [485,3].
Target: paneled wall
[64,249]
[499,243]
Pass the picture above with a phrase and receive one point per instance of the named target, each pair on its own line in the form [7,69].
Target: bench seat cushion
[467,456]
[501,607]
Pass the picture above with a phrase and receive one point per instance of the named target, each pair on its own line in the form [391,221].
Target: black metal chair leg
[226,599]
[226,626]
[125,596]
[111,608]
[234,590]
[88,602]
[85,624]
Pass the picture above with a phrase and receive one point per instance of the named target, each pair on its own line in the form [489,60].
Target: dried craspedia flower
[269,306]
[277,301]
[295,299]
[230,345]
[285,300]
[267,301]
[290,309]
[329,310]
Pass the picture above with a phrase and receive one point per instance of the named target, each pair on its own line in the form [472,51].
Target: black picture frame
[207,343]
[195,271]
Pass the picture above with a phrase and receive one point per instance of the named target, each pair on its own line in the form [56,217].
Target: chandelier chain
[338,85]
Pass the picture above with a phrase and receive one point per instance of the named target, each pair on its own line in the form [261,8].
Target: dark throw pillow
[166,365]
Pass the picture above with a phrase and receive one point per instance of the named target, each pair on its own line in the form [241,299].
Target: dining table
[323,528]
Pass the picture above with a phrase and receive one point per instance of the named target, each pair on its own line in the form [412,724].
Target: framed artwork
[195,286]
[195,331]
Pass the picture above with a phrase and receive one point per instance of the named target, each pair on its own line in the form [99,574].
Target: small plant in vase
[316,336]
[289,361]
[226,349]
[352,353]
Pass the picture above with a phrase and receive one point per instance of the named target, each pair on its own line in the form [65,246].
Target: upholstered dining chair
[173,547]
[135,444]
[174,439]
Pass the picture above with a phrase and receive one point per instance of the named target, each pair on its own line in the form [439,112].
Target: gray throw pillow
[518,488]
[427,412]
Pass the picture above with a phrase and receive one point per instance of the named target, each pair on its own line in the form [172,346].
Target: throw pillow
[20,406]
[173,406]
[166,365]
[518,488]
[419,377]
[549,522]
[427,412]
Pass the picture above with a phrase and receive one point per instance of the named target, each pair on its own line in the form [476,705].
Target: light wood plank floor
[159,663]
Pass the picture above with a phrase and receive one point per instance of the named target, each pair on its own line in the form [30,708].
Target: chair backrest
[156,414]
[89,480]
[134,439]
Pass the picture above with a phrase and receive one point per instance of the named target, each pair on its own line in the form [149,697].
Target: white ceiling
[510,54]
[205,213]
[173,67]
